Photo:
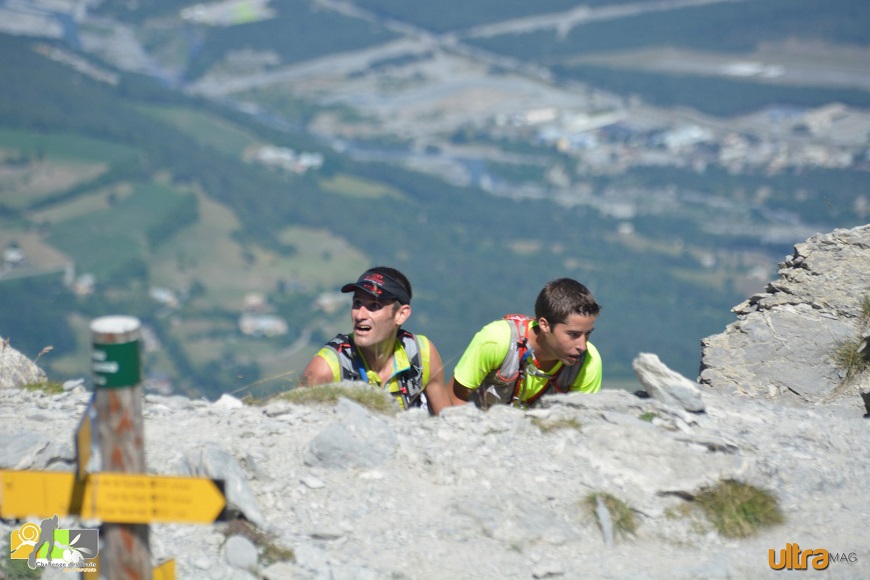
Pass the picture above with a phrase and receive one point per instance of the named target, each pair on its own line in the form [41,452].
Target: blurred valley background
[220,169]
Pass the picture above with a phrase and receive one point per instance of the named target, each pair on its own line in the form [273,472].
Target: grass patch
[64,147]
[38,181]
[848,359]
[738,510]
[208,130]
[547,424]
[49,388]
[269,551]
[370,398]
[648,416]
[621,515]
[865,309]
[688,511]
[118,236]
[852,356]
[357,187]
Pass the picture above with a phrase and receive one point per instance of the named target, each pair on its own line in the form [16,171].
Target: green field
[104,241]
[350,186]
[206,129]
[36,167]
[60,147]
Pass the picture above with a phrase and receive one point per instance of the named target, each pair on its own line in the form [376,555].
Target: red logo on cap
[374,289]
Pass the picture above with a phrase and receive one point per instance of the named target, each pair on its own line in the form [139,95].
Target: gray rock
[241,553]
[216,463]
[605,522]
[356,439]
[228,402]
[16,370]
[19,450]
[280,571]
[665,385]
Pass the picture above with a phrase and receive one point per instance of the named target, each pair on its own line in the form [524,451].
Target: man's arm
[460,392]
[483,354]
[316,372]
[436,391]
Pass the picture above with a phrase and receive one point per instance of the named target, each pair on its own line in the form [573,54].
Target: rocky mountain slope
[343,492]
[782,345]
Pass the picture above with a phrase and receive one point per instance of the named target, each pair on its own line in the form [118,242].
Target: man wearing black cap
[379,351]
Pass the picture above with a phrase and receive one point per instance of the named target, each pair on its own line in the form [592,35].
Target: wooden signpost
[122,495]
[118,399]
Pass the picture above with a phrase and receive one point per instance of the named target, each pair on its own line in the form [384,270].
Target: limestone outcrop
[16,370]
[783,343]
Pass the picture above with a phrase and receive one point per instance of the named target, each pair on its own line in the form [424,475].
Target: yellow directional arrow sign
[111,497]
[165,571]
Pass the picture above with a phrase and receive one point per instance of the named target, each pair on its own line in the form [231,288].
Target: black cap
[380,286]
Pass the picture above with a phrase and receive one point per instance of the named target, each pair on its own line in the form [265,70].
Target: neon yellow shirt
[489,347]
[400,364]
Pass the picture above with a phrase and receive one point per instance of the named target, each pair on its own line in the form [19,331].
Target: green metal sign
[116,365]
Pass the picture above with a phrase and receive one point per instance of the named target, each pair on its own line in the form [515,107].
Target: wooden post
[124,551]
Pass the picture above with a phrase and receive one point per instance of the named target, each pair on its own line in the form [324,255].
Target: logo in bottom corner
[45,545]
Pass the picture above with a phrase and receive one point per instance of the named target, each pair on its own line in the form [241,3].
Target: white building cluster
[256,321]
[285,158]
[774,140]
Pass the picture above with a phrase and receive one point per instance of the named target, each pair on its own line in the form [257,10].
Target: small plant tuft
[865,309]
[554,424]
[738,510]
[852,356]
[47,387]
[269,551]
[370,398]
[648,416]
[849,359]
[622,517]
[45,350]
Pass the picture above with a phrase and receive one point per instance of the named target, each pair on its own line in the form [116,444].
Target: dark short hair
[563,297]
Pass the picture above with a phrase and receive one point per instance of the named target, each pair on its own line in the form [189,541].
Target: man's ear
[544,325]
[403,314]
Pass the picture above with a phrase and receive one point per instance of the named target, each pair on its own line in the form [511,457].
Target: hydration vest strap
[561,381]
[353,367]
[520,335]
[411,380]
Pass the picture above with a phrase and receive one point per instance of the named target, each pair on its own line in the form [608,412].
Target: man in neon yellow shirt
[518,359]
[379,351]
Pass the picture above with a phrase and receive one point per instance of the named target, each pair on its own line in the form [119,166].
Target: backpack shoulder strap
[567,375]
[561,382]
[518,348]
[411,380]
[352,368]
[502,384]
